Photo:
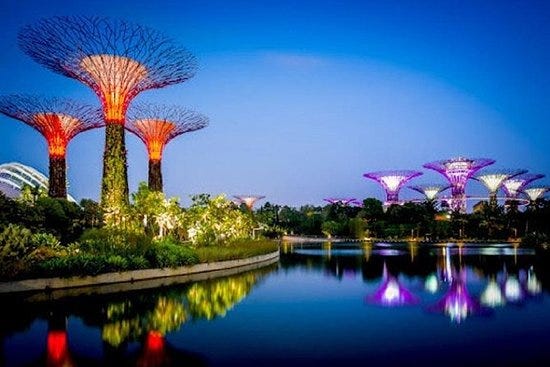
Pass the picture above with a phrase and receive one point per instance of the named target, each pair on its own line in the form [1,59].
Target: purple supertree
[429,191]
[458,171]
[248,200]
[515,185]
[341,201]
[392,181]
[493,180]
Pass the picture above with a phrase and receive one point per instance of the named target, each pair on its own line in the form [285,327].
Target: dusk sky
[304,97]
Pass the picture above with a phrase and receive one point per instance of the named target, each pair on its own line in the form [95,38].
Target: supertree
[392,181]
[515,185]
[117,60]
[156,125]
[458,171]
[341,201]
[430,191]
[248,200]
[494,179]
[535,193]
[58,120]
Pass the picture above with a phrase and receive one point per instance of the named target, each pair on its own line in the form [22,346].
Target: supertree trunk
[155,175]
[58,177]
[114,189]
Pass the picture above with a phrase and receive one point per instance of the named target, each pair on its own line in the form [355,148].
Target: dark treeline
[411,220]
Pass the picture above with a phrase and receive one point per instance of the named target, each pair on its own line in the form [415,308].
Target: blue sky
[304,97]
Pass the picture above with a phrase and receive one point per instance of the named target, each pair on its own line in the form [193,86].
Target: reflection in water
[512,289]
[431,284]
[492,295]
[457,302]
[391,293]
[57,349]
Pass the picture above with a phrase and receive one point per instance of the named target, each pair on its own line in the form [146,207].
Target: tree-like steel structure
[117,60]
[392,181]
[458,171]
[341,201]
[248,200]
[535,193]
[430,191]
[515,185]
[156,125]
[493,180]
[58,120]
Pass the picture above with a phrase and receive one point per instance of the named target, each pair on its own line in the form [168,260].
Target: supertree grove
[515,185]
[458,171]
[430,191]
[535,193]
[494,179]
[58,120]
[117,60]
[341,201]
[156,125]
[392,181]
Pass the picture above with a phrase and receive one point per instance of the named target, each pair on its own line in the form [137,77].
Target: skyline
[312,103]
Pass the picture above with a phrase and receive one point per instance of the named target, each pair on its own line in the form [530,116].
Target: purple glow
[392,181]
[391,293]
[458,171]
[341,201]
[457,302]
[513,186]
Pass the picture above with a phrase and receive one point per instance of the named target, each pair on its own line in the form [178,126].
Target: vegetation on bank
[421,221]
[44,237]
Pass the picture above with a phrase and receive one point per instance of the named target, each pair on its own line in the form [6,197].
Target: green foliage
[236,250]
[16,243]
[113,241]
[46,240]
[216,221]
[114,190]
[166,254]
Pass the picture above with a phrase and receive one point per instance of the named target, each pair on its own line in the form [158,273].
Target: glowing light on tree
[429,191]
[392,181]
[458,171]
[493,180]
[118,60]
[535,193]
[515,185]
[156,125]
[59,121]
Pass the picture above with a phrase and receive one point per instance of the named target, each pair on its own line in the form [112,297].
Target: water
[386,304]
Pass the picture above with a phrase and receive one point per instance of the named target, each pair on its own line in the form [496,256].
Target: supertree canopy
[117,60]
[535,193]
[515,185]
[58,120]
[248,200]
[156,125]
[458,171]
[430,191]
[392,181]
[341,201]
[494,179]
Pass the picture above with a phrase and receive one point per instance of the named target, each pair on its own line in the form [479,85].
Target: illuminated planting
[58,120]
[535,193]
[341,201]
[158,125]
[429,191]
[458,171]
[515,185]
[248,200]
[493,180]
[392,181]
[117,60]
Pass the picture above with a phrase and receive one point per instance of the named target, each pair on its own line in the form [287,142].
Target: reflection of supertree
[492,295]
[59,121]
[457,302]
[117,60]
[392,181]
[248,200]
[214,298]
[391,293]
[158,125]
[515,185]
[429,191]
[512,289]
[341,201]
[458,171]
[493,180]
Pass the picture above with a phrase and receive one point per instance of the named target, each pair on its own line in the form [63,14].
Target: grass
[236,250]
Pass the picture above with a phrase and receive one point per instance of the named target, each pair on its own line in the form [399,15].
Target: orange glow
[155,134]
[116,79]
[154,342]
[58,129]
[57,347]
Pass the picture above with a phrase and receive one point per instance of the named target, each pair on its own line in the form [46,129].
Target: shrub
[109,241]
[15,243]
[46,240]
[166,254]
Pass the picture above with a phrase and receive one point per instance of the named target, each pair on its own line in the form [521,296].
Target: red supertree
[156,125]
[117,60]
[58,120]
